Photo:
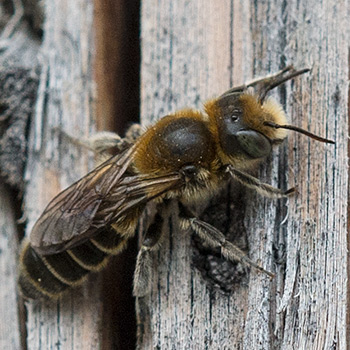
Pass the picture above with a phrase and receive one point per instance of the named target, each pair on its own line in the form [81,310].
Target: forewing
[98,199]
[136,190]
[72,211]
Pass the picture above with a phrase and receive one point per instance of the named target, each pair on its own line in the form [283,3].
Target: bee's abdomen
[109,242]
[50,275]
[35,279]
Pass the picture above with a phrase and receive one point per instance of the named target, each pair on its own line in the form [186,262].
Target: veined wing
[100,198]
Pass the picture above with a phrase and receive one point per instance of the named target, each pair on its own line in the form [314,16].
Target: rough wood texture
[9,320]
[18,89]
[65,103]
[192,50]
[18,50]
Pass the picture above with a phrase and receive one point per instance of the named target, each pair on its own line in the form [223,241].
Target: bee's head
[239,124]
[246,123]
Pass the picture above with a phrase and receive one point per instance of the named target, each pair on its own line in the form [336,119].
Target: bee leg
[101,142]
[254,183]
[216,239]
[133,133]
[143,270]
[263,85]
[98,143]
[275,76]
[258,81]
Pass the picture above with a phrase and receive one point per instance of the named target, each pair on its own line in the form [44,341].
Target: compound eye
[253,143]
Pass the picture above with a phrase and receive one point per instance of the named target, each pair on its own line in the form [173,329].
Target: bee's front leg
[214,238]
[254,183]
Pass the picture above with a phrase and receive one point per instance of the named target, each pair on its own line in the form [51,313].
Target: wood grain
[18,59]
[65,105]
[10,333]
[192,50]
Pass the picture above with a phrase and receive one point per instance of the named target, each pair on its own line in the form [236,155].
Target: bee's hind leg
[133,133]
[143,269]
[103,141]
[214,238]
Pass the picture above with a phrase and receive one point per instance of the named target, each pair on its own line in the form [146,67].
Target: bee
[187,156]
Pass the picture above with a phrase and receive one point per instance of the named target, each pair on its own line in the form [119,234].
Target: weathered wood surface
[70,70]
[10,333]
[66,102]
[18,57]
[192,50]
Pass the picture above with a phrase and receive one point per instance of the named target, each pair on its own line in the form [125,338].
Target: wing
[96,200]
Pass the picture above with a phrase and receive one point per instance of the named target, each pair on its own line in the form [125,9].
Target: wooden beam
[193,50]
[10,332]
[65,104]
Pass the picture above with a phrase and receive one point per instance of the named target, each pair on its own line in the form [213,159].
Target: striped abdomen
[50,275]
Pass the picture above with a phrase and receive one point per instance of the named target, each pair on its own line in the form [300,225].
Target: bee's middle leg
[143,270]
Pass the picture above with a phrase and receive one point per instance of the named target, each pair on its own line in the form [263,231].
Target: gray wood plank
[66,102]
[10,337]
[192,50]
